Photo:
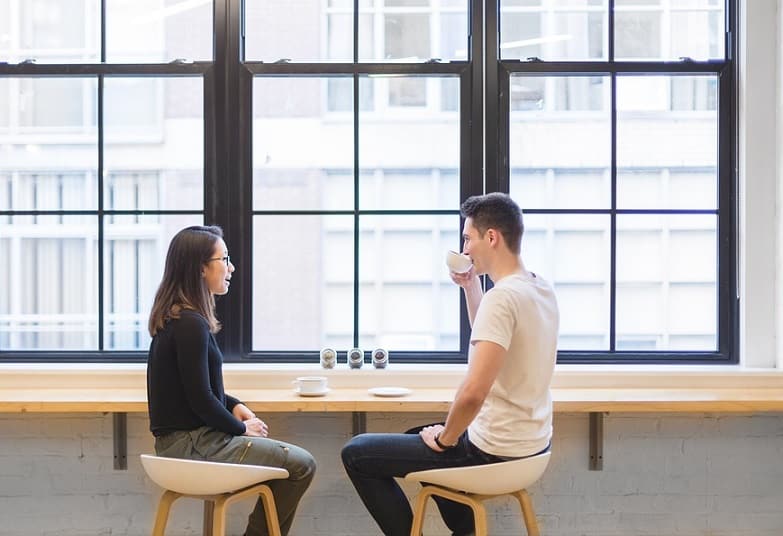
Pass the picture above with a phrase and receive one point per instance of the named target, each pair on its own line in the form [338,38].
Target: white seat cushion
[490,479]
[193,477]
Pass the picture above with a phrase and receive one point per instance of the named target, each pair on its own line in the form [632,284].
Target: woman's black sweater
[185,379]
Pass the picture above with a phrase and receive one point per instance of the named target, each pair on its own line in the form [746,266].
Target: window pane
[134,254]
[302,158]
[662,30]
[564,114]
[50,31]
[302,282]
[5,30]
[154,143]
[572,253]
[281,29]
[51,298]
[406,299]
[667,146]
[53,105]
[406,36]
[698,34]
[567,30]
[48,144]
[404,151]
[638,35]
[151,31]
[414,31]
[666,282]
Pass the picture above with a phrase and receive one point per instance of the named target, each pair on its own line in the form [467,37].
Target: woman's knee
[300,463]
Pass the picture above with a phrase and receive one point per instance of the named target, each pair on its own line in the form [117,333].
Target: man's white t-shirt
[520,314]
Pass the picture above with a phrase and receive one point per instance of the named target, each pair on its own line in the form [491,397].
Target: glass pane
[50,31]
[302,282]
[51,296]
[402,152]
[649,30]
[698,34]
[667,142]
[666,282]
[151,31]
[414,31]
[154,143]
[134,254]
[281,29]
[638,35]
[569,30]
[406,299]
[302,157]
[548,114]
[54,105]
[48,144]
[572,253]
[5,31]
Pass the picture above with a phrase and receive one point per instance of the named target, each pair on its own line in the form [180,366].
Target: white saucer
[313,393]
[389,391]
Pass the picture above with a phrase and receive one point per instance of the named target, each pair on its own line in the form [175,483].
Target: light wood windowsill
[267,388]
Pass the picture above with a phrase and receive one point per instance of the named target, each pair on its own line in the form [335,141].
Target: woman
[190,414]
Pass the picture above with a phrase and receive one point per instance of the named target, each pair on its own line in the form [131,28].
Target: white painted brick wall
[664,475]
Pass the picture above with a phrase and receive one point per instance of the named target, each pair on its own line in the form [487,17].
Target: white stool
[474,484]
[217,484]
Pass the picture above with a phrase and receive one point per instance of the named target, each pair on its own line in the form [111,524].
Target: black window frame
[499,72]
[484,157]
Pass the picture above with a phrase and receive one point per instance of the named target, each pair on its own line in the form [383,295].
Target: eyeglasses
[226,259]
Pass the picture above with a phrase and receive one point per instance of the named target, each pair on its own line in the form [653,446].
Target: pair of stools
[220,484]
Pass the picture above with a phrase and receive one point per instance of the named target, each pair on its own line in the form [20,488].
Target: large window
[616,139]
[334,141]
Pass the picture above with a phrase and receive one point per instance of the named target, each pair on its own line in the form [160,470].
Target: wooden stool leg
[219,517]
[479,517]
[527,513]
[419,510]
[164,507]
[209,515]
[270,509]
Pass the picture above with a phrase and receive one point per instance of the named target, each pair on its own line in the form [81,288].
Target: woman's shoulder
[190,319]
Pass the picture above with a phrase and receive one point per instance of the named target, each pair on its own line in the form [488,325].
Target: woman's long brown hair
[183,286]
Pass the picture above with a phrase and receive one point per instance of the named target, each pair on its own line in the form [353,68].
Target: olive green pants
[213,445]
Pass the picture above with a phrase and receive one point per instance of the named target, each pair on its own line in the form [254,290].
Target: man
[503,408]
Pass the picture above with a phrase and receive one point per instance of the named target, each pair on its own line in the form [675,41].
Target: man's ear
[492,235]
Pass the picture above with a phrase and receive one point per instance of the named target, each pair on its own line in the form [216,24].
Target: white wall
[759,167]
[691,475]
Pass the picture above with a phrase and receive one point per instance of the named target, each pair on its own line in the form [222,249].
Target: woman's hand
[255,427]
[242,412]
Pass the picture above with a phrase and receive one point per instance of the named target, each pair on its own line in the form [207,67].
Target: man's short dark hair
[496,211]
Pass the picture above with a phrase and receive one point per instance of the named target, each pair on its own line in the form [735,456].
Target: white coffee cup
[457,262]
[311,384]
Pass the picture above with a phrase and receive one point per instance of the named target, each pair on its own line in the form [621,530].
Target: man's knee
[352,450]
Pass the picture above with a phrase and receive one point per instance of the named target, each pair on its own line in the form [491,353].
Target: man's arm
[485,364]
[471,284]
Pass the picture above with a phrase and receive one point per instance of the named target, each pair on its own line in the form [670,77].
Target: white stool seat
[193,477]
[217,484]
[474,484]
[491,479]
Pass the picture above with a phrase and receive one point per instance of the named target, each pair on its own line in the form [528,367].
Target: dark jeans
[373,460]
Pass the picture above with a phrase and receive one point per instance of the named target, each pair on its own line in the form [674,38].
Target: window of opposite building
[334,141]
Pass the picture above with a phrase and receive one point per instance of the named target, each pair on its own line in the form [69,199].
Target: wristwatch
[441,445]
